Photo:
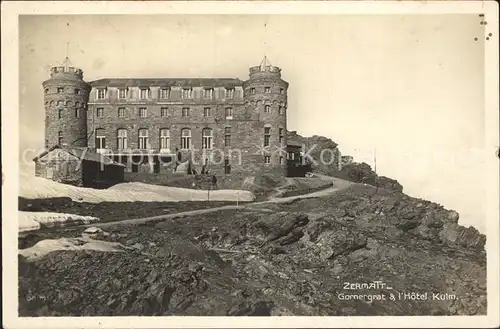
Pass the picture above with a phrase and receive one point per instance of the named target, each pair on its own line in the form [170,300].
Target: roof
[167,82]
[82,153]
[294,142]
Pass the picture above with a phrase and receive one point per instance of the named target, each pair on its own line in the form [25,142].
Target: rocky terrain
[354,172]
[343,254]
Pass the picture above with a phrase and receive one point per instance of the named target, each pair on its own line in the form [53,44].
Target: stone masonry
[245,119]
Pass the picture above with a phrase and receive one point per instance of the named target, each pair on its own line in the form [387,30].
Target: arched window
[207,138]
[59,113]
[164,139]
[100,139]
[143,139]
[60,138]
[186,138]
[121,139]
[60,103]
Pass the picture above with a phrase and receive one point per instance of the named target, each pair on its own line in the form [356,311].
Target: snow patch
[29,221]
[32,187]
[44,247]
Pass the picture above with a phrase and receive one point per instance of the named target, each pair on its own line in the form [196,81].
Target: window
[143,139]
[186,138]
[121,139]
[282,91]
[267,109]
[60,138]
[101,93]
[46,90]
[207,138]
[227,136]
[282,160]
[77,104]
[60,90]
[185,111]
[164,112]
[267,136]
[60,103]
[267,159]
[230,93]
[122,93]
[100,139]
[144,93]
[121,112]
[77,112]
[77,91]
[206,112]
[143,112]
[60,113]
[281,137]
[165,93]
[186,93]
[229,113]
[267,90]
[208,93]
[281,109]
[164,139]
[252,91]
[100,112]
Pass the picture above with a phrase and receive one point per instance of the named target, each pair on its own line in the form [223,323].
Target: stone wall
[61,171]
[72,102]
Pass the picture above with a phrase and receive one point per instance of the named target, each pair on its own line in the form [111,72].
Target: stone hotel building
[149,125]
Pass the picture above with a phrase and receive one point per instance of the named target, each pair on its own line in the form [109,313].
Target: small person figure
[214,181]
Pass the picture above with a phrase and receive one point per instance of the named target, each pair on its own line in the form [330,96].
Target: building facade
[223,124]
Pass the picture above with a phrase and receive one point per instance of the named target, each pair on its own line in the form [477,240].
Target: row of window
[67,103]
[143,140]
[185,111]
[164,112]
[60,90]
[207,140]
[186,93]
[144,93]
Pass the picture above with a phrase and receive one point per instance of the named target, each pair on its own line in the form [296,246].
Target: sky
[410,87]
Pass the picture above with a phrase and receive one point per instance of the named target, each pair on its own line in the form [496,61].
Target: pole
[209,185]
[375,159]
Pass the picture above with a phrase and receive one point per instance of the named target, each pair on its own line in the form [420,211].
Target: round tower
[266,93]
[65,97]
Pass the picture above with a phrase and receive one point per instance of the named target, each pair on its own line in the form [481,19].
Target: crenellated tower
[66,95]
[266,92]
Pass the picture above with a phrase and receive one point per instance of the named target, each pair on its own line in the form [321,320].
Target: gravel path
[338,184]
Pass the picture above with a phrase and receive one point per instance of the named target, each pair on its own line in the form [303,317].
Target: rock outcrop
[308,257]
